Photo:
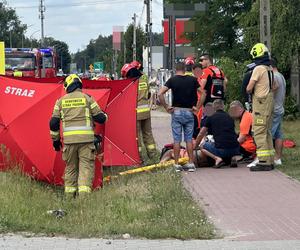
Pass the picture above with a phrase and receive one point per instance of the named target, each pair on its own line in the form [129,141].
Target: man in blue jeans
[226,145]
[278,112]
[185,104]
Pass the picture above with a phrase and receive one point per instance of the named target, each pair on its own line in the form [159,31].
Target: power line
[79,4]
[141,16]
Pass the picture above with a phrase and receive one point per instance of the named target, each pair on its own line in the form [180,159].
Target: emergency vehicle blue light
[24,49]
[8,49]
[46,50]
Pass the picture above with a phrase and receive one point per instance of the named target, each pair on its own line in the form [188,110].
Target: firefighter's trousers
[79,172]
[144,131]
[262,123]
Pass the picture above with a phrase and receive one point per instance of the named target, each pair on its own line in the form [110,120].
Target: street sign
[98,66]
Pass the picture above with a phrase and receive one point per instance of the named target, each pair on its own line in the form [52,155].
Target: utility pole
[264,24]
[172,43]
[42,9]
[149,35]
[134,37]
[124,49]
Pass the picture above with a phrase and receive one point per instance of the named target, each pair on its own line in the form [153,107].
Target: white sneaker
[253,164]
[190,167]
[178,168]
[278,162]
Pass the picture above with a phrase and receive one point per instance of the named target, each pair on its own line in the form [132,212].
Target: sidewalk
[244,205]
[57,243]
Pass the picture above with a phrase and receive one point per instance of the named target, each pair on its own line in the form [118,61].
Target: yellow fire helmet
[259,50]
[71,79]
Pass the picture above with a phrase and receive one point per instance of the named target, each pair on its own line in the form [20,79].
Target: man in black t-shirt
[221,126]
[185,104]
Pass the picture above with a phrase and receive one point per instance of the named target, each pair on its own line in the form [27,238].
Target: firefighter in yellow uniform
[144,129]
[261,86]
[78,112]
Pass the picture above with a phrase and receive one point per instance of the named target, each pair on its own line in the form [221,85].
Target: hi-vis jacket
[76,110]
[143,107]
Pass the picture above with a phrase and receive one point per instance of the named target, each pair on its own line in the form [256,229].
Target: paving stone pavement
[244,205]
[57,243]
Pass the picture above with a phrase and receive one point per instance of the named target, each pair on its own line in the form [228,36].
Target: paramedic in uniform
[77,111]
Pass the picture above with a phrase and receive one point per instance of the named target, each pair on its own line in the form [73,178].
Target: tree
[285,30]
[140,42]
[98,50]
[157,39]
[11,28]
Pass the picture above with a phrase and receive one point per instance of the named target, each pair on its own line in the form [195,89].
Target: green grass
[149,205]
[291,156]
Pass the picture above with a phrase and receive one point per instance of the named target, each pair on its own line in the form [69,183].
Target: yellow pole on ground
[2,58]
[166,164]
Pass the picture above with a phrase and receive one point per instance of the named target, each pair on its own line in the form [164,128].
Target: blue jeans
[276,126]
[221,152]
[182,120]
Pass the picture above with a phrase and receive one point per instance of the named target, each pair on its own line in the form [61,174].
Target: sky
[76,22]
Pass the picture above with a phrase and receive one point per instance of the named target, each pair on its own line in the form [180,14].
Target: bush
[290,107]
[234,71]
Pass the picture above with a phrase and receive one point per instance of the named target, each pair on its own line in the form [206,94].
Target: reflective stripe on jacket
[143,107]
[76,110]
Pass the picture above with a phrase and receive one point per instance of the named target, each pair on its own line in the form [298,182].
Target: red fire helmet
[125,69]
[136,64]
[189,61]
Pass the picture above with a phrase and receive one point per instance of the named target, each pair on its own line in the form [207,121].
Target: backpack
[217,84]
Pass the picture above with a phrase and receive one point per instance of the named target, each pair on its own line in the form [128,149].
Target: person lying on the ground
[200,160]
[226,145]
[245,139]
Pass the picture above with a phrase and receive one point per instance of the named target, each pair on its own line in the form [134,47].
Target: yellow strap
[78,132]
[151,146]
[70,189]
[84,189]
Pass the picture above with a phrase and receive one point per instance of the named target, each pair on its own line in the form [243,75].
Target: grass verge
[291,156]
[149,205]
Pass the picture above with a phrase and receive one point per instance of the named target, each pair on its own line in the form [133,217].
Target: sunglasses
[202,59]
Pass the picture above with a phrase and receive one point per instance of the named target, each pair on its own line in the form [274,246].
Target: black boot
[262,167]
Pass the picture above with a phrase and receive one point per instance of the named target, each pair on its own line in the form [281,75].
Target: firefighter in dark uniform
[78,112]
[144,129]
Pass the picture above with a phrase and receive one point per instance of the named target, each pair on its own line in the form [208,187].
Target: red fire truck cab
[26,62]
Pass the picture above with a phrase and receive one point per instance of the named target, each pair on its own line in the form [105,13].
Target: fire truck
[27,62]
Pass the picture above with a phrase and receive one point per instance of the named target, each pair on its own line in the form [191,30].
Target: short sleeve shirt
[261,77]
[245,129]
[184,90]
